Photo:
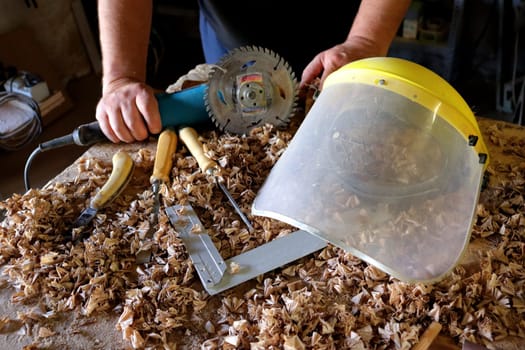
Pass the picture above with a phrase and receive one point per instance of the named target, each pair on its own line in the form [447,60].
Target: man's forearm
[379,20]
[124,35]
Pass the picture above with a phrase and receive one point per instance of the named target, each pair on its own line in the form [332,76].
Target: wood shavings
[234,268]
[9,326]
[293,343]
[197,228]
[44,332]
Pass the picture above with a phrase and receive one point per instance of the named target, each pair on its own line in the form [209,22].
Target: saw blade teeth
[221,93]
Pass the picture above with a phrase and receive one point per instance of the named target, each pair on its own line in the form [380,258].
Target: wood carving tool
[166,146]
[208,166]
[120,176]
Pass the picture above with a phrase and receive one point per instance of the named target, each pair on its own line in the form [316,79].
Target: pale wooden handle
[189,136]
[166,146]
[120,175]
[428,336]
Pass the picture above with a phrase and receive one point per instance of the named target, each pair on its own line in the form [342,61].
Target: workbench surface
[324,297]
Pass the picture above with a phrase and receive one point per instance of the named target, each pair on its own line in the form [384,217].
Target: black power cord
[84,135]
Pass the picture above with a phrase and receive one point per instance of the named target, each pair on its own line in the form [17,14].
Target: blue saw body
[184,107]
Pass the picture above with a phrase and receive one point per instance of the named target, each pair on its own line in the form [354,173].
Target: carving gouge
[120,175]
[166,146]
[190,138]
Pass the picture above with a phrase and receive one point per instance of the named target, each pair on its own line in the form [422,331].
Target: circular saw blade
[250,87]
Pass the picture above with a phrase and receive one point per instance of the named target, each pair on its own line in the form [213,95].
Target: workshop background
[477,45]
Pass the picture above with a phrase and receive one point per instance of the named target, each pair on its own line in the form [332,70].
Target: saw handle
[166,145]
[190,138]
[120,175]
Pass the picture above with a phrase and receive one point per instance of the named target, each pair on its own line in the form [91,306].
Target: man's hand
[371,34]
[334,58]
[128,111]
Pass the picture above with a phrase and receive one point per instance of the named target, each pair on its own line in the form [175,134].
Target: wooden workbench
[34,325]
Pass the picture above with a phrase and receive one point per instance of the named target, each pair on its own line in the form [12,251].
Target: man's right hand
[128,111]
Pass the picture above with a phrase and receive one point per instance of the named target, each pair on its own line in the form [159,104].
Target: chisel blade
[156,202]
[85,217]
[235,206]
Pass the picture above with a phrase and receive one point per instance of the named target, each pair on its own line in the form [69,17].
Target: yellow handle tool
[190,138]
[120,176]
[118,179]
[166,146]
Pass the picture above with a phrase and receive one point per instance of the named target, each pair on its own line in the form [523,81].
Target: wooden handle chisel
[190,138]
[120,176]
[166,146]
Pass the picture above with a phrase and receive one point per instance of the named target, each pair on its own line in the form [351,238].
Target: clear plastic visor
[380,176]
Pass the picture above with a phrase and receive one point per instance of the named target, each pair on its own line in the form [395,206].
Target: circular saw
[250,87]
